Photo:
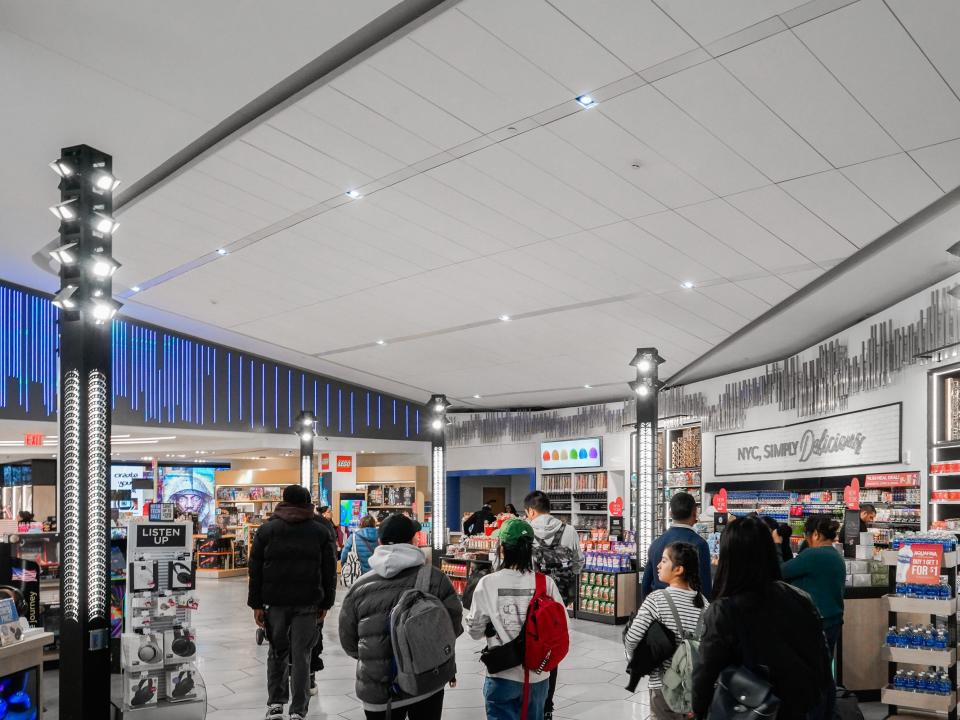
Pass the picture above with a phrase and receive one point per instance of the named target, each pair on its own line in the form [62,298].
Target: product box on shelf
[140,690]
[180,683]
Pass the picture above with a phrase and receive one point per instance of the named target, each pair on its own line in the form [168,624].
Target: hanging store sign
[345,463]
[570,454]
[854,439]
[904,479]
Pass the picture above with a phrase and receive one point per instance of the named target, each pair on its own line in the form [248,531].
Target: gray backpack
[423,639]
[678,678]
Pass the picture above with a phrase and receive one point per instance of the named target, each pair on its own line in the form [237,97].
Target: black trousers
[548,705]
[430,708]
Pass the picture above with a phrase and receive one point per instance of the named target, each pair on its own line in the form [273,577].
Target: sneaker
[274,712]
[313,683]
[296,716]
[548,715]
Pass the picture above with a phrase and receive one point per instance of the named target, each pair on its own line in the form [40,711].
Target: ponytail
[686,556]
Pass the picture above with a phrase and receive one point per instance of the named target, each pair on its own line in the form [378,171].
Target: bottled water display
[934,681]
[918,637]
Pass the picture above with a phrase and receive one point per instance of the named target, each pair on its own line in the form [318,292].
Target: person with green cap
[498,612]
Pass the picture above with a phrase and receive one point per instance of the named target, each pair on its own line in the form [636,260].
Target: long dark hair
[519,555]
[748,558]
[786,549]
[826,525]
[685,555]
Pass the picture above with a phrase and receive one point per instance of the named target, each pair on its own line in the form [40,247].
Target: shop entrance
[496,497]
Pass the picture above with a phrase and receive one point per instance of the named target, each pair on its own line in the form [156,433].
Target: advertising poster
[191,489]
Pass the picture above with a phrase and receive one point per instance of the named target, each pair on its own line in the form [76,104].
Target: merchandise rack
[683,450]
[906,699]
[579,498]
[617,591]
[944,448]
[459,570]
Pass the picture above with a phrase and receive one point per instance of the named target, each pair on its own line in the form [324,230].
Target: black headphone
[183,644]
[148,651]
[144,692]
[183,685]
[182,573]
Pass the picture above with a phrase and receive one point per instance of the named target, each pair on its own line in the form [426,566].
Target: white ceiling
[747,147]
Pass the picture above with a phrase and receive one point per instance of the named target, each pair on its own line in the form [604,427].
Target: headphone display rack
[167,547]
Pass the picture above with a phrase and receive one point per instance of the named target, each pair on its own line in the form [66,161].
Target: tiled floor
[233,667]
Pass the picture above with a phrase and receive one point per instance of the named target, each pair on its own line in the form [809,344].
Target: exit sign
[33,439]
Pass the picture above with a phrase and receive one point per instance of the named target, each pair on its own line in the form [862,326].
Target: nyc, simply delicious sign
[866,437]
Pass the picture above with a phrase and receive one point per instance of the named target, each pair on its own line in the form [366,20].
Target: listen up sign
[854,439]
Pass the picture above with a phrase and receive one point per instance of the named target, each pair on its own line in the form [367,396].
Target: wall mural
[165,379]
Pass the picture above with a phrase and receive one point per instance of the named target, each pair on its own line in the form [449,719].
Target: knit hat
[397,528]
[513,531]
[296,495]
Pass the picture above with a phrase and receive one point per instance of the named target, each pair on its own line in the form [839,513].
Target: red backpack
[546,639]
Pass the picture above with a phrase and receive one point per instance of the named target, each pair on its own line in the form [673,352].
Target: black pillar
[86,309]
[649,506]
[304,427]
[437,408]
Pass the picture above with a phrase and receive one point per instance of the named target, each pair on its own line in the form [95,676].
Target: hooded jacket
[366,542]
[293,561]
[546,528]
[365,619]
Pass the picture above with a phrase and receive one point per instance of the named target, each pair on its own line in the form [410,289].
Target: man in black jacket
[365,621]
[475,523]
[293,580]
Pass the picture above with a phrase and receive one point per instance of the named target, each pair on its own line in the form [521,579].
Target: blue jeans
[504,699]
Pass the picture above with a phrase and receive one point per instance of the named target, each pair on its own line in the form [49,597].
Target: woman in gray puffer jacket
[365,619]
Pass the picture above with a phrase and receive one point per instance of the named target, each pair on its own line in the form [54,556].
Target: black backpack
[557,561]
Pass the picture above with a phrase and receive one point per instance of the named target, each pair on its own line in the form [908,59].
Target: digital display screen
[191,489]
[570,454]
[352,512]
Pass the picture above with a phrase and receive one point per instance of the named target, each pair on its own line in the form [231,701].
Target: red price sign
[925,564]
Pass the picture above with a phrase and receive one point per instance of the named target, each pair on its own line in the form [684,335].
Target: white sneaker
[274,712]
[296,716]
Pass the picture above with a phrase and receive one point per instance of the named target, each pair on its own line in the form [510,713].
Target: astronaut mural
[191,490]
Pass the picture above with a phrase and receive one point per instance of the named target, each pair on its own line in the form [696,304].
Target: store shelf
[940,608]
[918,701]
[596,617]
[949,559]
[914,656]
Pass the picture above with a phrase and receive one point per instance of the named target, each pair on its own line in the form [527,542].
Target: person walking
[499,611]
[556,554]
[365,540]
[683,513]
[292,585]
[475,524]
[755,619]
[820,571]
[679,570]
[365,621]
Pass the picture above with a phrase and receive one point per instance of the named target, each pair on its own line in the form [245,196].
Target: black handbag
[658,645]
[503,657]
[743,695]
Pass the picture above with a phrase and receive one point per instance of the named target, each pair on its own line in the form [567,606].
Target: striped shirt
[655,607]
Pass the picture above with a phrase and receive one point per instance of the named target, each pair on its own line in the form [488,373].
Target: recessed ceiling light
[354,194]
[476,397]
[505,318]
[222,251]
[588,387]
[586,101]
[135,288]
[687,285]
[381,342]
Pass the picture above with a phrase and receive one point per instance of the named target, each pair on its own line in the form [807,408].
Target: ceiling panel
[738,231]
[583,173]
[694,242]
[656,121]
[865,47]
[637,32]
[547,38]
[718,101]
[790,221]
[895,183]
[708,22]
[607,142]
[842,205]
[941,162]
[928,23]
[370,87]
[790,80]
[770,288]
[800,278]
[256,173]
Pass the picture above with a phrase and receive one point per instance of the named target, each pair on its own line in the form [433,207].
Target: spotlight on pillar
[647,509]
[86,307]
[437,407]
[303,426]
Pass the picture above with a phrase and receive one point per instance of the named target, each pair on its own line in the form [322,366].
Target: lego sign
[345,463]
[325,462]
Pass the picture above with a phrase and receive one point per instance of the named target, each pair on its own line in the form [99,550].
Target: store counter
[22,663]
[864,633]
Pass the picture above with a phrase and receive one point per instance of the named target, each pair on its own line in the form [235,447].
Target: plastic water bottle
[892,636]
[944,686]
[899,680]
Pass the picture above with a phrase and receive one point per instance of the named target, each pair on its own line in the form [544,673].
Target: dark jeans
[825,711]
[430,708]
[548,705]
[293,633]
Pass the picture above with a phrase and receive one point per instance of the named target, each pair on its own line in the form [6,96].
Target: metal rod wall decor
[495,427]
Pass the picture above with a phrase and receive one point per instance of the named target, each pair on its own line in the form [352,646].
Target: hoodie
[546,529]
[365,619]
[366,542]
[293,561]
